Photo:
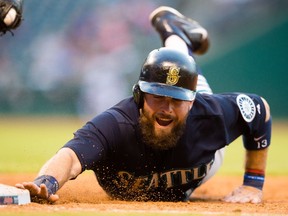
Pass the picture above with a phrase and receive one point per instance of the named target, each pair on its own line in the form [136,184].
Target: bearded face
[162,121]
[159,139]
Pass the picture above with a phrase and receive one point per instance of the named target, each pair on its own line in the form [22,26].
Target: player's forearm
[256,159]
[62,166]
[255,168]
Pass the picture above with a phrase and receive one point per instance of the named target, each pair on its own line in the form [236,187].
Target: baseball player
[10,15]
[168,138]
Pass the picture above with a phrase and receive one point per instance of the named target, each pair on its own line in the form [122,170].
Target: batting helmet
[167,72]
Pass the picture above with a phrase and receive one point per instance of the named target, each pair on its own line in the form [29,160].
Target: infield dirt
[84,194]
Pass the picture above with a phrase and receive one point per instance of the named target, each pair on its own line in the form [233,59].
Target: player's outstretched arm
[255,166]
[53,175]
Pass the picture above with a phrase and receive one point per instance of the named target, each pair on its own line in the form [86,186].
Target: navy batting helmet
[167,72]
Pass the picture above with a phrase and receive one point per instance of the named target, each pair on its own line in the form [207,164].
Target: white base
[12,195]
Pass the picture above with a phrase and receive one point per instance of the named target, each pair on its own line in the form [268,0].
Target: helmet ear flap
[138,96]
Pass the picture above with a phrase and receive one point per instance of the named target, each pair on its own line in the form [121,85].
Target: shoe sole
[199,30]
[164,8]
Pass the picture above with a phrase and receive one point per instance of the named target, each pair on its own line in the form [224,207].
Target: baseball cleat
[167,21]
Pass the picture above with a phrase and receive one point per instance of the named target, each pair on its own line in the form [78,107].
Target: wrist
[254,178]
[51,183]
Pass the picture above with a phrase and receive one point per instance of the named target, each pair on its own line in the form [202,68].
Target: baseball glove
[10,15]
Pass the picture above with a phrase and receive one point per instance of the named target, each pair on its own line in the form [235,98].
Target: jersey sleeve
[245,113]
[94,140]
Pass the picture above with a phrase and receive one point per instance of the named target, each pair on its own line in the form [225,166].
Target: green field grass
[27,142]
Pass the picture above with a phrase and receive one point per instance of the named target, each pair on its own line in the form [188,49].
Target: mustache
[164,116]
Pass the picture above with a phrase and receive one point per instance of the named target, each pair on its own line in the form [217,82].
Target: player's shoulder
[224,97]
[125,111]
[216,103]
[121,114]
[207,103]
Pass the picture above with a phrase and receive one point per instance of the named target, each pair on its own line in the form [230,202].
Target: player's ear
[138,96]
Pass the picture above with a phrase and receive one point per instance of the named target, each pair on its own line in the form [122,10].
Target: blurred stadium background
[80,57]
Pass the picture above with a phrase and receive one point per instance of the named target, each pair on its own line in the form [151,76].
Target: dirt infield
[84,194]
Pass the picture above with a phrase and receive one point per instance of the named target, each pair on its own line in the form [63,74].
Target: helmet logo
[173,76]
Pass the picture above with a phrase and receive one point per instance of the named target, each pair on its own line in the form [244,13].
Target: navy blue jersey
[127,169]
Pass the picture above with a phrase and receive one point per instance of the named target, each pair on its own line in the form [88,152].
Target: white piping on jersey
[203,86]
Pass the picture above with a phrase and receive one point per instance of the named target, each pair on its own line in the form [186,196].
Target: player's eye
[158,97]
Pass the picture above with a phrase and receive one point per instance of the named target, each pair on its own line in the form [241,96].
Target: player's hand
[245,194]
[38,194]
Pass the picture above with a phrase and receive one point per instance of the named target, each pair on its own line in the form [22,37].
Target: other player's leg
[168,21]
[184,34]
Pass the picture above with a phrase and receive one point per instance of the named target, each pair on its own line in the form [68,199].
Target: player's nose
[166,105]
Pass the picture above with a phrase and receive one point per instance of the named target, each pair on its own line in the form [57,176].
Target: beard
[163,140]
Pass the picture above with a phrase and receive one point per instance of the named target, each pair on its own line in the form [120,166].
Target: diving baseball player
[167,139]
